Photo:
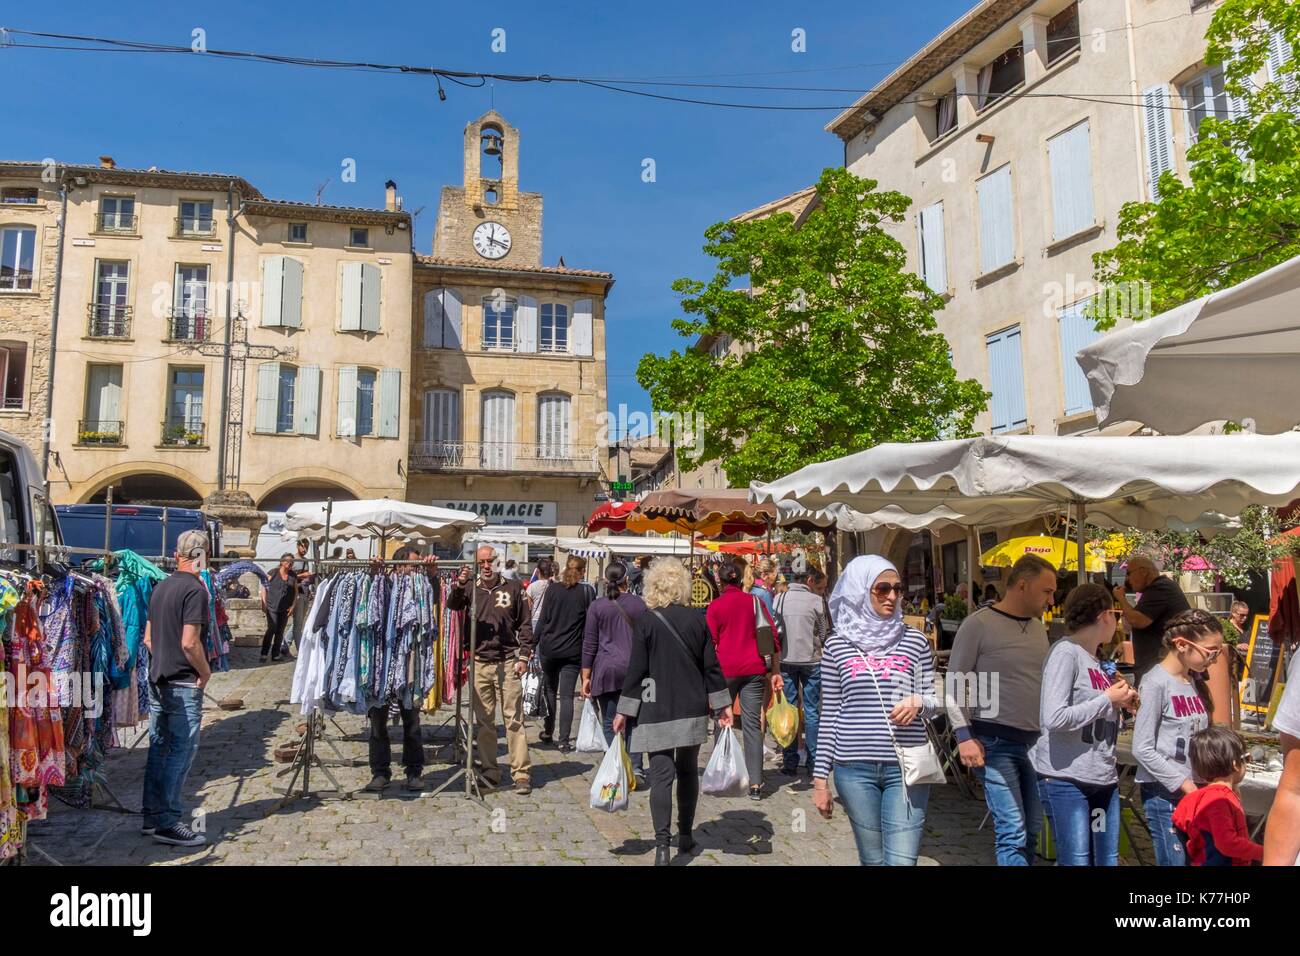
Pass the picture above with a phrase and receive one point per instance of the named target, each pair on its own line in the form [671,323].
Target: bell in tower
[491,143]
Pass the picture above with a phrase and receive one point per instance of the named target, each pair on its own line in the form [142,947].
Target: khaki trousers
[498,683]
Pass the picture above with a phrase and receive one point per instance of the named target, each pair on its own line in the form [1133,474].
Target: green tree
[845,352]
[1240,213]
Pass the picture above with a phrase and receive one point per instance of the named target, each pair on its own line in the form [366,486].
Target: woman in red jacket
[733,619]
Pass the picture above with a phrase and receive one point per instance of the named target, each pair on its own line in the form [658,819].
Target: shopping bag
[591,736]
[725,774]
[783,720]
[609,789]
[534,690]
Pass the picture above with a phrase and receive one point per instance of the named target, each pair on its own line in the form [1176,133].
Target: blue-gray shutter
[346,425]
[370,279]
[350,320]
[435,322]
[1006,381]
[997,237]
[526,320]
[1159,135]
[581,340]
[291,294]
[1070,157]
[272,289]
[268,396]
[1077,331]
[451,314]
[390,402]
[934,256]
[306,405]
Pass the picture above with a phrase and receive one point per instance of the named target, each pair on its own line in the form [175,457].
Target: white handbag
[920,764]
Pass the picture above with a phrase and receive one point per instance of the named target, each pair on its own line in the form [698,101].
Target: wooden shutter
[370,298]
[997,243]
[498,430]
[1006,380]
[272,291]
[581,329]
[268,396]
[306,403]
[553,413]
[346,426]
[389,385]
[350,320]
[434,320]
[441,416]
[1070,158]
[1279,54]
[1077,331]
[526,317]
[934,256]
[1159,136]
[451,315]
[291,294]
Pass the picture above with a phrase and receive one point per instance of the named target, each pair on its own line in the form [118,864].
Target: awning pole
[329,513]
[1082,511]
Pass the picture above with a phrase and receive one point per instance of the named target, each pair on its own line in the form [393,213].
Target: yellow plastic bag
[783,720]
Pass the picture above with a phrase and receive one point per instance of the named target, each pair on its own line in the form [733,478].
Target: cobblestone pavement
[233,781]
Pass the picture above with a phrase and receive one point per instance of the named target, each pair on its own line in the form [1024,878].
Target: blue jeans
[1011,792]
[1085,821]
[608,708]
[887,819]
[803,680]
[175,714]
[1159,805]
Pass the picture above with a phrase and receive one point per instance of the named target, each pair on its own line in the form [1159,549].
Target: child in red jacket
[1212,818]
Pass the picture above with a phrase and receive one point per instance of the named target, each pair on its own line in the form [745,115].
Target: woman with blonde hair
[559,640]
[673,684]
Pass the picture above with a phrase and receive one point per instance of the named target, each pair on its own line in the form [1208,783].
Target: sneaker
[756,793]
[178,834]
[414,781]
[148,831]
[377,783]
[565,747]
[523,786]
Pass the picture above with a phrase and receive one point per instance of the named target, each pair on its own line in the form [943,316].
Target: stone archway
[149,488]
[293,492]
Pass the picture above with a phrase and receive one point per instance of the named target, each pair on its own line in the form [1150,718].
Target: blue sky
[287,129]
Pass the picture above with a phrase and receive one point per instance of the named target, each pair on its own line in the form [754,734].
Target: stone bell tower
[490,194]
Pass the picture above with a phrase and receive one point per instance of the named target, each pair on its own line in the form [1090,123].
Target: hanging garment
[310,671]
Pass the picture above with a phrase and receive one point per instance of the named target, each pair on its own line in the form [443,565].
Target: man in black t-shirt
[1161,599]
[306,588]
[279,597]
[178,672]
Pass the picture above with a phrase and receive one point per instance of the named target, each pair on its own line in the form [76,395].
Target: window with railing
[102,424]
[184,422]
[499,324]
[116,214]
[195,218]
[17,258]
[553,412]
[554,322]
[190,315]
[110,314]
[20,195]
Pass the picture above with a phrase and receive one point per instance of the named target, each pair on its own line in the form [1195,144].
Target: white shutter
[934,255]
[553,426]
[346,425]
[997,242]
[1279,54]
[1159,135]
[526,317]
[434,320]
[581,331]
[306,400]
[390,402]
[451,312]
[498,430]
[272,290]
[1070,155]
[268,396]
[350,320]
[370,280]
[1006,381]
[291,295]
[441,416]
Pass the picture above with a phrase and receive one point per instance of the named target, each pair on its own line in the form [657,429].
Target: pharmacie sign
[525,514]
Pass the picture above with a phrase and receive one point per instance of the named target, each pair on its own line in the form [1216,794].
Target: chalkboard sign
[1263,664]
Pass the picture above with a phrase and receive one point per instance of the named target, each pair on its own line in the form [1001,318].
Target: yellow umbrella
[1058,552]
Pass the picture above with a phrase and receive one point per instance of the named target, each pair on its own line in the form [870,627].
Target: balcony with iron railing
[116,223]
[92,431]
[109,320]
[476,457]
[189,323]
[179,433]
[193,227]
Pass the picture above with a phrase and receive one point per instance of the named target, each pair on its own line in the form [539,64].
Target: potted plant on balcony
[93,437]
[177,434]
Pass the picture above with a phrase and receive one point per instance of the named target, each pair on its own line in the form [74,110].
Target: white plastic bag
[609,789]
[591,736]
[725,774]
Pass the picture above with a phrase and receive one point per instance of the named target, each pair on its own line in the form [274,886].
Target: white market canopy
[628,544]
[1141,482]
[843,518]
[379,517]
[512,534]
[1233,354]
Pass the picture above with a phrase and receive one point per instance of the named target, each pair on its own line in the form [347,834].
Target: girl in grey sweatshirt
[1175,704]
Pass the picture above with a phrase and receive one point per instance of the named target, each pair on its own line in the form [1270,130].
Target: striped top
[853,721]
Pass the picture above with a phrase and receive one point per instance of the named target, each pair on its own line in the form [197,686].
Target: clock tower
[488,221]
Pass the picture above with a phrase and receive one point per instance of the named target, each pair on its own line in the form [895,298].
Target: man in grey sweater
[993,688]
[804,621]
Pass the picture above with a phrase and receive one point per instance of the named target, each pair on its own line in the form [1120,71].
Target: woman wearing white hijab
[877,679]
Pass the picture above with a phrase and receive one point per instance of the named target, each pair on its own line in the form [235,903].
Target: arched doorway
[150,489]
[286,495]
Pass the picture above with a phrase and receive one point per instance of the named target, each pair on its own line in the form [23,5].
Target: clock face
[491,240]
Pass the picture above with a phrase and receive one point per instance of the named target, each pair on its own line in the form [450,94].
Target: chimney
[390,196]
[106,162]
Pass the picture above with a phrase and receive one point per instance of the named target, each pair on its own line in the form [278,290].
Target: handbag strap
[681,641]
[880,699]
[626,617]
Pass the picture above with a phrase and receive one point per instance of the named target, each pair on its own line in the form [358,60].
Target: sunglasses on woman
[884,590]
[1211,653]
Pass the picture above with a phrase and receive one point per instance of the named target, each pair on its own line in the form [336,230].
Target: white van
[24,508]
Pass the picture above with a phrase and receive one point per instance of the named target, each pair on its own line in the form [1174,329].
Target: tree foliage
[845,352]
[1240,213]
